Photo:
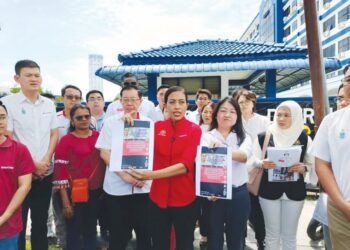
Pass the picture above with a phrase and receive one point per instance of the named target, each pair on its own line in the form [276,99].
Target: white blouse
[239,169]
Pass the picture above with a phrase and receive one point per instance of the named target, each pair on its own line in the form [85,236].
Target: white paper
[132,146]
[284,158]
[214,172]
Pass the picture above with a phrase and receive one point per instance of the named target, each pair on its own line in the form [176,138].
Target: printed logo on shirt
[23,111]
[47,112]
[162,133]
[342,134]
[7,167]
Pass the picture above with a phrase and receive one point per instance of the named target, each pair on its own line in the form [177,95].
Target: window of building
[344,14]
[294,25]
[329,51]
[344,45]
[329,24]
[294,5]
[303,41]
[302,19]
[192,84]
[286,12]
[326,1]
[286,32]
[266,13]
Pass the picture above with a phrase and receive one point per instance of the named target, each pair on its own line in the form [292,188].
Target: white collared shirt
[193,116]
[63,124]
[31,123]
[255,125]
[332,144]
[239,169]
[146,108]
[159,114]
[113,184]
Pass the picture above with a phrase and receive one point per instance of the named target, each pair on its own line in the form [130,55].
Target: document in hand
[214,172]
[132,146]
[284,158]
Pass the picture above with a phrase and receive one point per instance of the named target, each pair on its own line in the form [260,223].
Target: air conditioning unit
[342,54]
[341,25]
[285,19]
[326,33]
[326,6]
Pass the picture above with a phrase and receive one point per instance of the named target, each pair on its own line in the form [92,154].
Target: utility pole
[317,71]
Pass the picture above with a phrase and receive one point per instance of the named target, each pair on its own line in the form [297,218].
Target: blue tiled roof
[208,51]
[110,72]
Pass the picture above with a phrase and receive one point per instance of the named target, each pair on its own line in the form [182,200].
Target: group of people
[63,159]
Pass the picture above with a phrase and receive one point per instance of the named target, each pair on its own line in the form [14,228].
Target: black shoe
[261,245]
[203,245]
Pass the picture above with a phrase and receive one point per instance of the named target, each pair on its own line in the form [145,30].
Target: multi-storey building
[284,21]
[95,62]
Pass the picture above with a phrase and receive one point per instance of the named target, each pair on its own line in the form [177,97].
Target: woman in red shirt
[173,189]
[75,158]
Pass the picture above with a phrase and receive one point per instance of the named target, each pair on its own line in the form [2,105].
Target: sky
[59,35]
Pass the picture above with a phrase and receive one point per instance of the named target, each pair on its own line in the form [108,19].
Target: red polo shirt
[15,161]
[175,144]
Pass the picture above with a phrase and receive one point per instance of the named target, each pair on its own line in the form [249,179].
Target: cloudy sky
[60,34]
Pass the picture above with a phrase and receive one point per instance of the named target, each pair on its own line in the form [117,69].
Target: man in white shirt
[203,97]
[95,101]
[160,98]
[331,148]
[32,121]
[127,197]
[146,108]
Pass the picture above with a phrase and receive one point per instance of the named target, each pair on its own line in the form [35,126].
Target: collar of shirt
[23,98]
[231,138]
[7,143]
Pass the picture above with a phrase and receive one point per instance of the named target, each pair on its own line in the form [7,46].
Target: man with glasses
[32,121]
[146,108]
[95,101]
[331,149]
[203,97]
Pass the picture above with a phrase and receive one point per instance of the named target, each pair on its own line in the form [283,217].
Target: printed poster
[132,146]
[214,172]
[284,158]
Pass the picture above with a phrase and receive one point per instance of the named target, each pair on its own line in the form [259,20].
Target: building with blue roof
[218,65]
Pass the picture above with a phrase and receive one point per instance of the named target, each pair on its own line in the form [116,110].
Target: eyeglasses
[131,100]
[72,97]
[82,117]
[340,98]
[92,99]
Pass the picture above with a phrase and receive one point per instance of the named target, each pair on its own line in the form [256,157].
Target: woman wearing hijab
[282,202]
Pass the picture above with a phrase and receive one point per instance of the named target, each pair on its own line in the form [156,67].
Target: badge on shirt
[342,134]
[162,133]
[23,111]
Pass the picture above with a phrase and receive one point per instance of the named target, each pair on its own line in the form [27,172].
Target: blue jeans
[229,216]
[9,243]
[83,224]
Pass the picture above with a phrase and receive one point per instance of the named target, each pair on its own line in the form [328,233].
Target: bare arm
[66,204]
[239,155]
[170,171]
[328,182]
[105,155]
[24,185]
[52,145]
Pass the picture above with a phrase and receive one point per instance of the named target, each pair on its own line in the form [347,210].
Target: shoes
[203,245]
[52,240]
[261,245]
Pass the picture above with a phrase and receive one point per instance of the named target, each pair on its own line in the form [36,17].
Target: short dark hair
[72,113]
[203,91]
[238,127]
[3,105]
[131,87]
[94,91]
[63,90]
[346,68]
[25,64]
[163,86]
[172,90]
[128,75]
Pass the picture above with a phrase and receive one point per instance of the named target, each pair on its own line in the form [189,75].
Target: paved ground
[303,241]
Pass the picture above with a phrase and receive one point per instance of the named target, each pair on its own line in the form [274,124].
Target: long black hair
[72,113]
[2,105]
[238,126]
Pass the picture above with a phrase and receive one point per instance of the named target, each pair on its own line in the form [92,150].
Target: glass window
[294,25]
[302,19]
[344,14]
[326,1]
[286,32]
[329,51]
[344,45]
[286,12]
[329,24]
[303,41]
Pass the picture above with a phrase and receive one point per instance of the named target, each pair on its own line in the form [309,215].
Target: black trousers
[204,216]
[129,212]
[38,201]
[184,221]
[256,217]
